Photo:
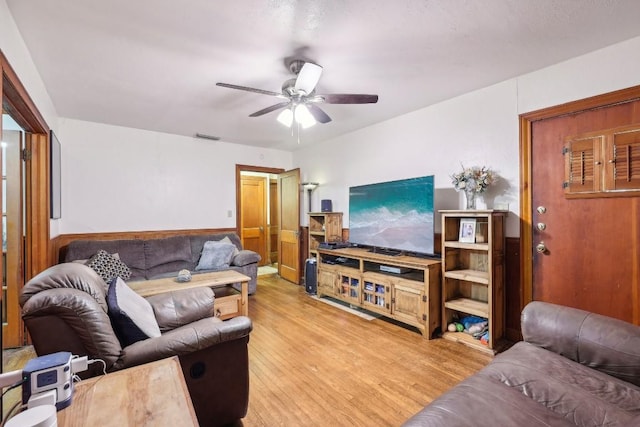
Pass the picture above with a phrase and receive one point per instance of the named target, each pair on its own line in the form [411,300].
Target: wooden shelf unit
[354,275]
[323,227]
[473,275]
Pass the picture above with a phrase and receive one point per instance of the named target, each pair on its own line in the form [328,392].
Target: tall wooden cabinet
[473,273]
[323,227]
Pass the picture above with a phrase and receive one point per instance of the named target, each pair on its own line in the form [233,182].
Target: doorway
[13,230]
[278,222]
[257,207]
[26,196]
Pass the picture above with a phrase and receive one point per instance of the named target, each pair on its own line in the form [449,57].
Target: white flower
[476,178]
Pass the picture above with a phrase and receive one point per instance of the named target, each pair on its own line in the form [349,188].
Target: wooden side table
[154,394]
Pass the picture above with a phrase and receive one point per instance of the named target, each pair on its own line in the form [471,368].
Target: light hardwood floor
[312,364]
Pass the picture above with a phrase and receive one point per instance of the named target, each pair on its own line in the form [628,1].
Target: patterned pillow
[107,266]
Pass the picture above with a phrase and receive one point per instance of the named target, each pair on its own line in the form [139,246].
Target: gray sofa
[574,368]
[157,258]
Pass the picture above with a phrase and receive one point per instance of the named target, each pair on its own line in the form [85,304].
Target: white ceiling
[153,64]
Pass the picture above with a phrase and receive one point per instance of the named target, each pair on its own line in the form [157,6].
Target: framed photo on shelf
[467,230]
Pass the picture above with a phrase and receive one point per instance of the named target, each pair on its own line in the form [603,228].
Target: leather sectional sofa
[574,368]
[65,308]
[157,258]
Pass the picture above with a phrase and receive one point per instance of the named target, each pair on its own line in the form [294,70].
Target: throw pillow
[84,261]
[108,266]
[216,255]
[131,315]
[228,240]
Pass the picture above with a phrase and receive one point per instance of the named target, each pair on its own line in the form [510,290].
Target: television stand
[383,251]
[401,287]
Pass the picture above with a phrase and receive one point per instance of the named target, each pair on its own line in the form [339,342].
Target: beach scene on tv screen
[395,215]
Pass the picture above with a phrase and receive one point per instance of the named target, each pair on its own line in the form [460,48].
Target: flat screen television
[395,215]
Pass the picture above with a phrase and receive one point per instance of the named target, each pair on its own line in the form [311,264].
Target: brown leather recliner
[64,309]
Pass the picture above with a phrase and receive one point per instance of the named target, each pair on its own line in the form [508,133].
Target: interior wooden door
[253,227]
[585,251]
[12,241]
[289,225]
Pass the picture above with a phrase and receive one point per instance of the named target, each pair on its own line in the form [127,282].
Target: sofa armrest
[599,342]
[181,307]
[245,257]
[67,319]
[195,336]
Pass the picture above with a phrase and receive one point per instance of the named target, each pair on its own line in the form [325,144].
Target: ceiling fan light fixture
[303,116]
[286,117]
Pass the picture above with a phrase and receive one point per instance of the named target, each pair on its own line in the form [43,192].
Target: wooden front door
[253,227]
[289,225]
[585,250]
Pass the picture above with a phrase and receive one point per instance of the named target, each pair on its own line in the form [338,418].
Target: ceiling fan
[299,97]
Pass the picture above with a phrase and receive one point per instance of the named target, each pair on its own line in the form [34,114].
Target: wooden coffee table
[228,302]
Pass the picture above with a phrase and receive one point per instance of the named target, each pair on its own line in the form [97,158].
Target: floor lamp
[309,186]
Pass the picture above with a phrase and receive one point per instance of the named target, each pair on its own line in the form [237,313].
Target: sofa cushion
[131,252]
[582,395]
[130,314]
[215,255]
[181,307]
[599,342]
[108,266]
[482,401]
[170,254]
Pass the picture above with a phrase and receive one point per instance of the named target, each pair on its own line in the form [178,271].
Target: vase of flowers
[473,181]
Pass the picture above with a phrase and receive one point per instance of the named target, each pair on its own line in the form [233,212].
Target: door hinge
[424,298]
[26,154]
[565,184]
[565,150]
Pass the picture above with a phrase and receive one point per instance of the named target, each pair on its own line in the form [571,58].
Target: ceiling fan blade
[308,77]
[318,114]
[269,109]
[251,89]
[349,98]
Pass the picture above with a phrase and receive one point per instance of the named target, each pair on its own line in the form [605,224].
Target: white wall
[477,128]
[118,179]
[122,179]
[474,129]
[16,52]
